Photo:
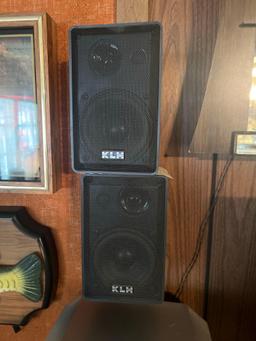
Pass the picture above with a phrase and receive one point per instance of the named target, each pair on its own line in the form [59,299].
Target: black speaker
[123,227]
[114,93]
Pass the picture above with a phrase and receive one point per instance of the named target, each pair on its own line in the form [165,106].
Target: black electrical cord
[202,228]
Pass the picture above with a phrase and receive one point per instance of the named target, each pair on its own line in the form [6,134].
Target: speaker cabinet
[114,92]
[123,223]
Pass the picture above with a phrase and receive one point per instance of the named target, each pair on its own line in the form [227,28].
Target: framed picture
[245,143]
[28,122]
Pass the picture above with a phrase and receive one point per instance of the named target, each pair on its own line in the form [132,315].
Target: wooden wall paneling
[61,210]
[232,296]
[200,29]
[249,16]
[131,10]
[225,106]
[189,192]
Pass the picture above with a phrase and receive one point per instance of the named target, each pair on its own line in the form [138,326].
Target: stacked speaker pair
[114,86]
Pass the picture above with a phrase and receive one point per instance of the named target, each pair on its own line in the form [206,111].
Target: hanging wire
[202,228]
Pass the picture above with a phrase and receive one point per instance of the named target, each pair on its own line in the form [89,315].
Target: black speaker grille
[124,255]
[114,120]
[114,74]
[104,57]
[123,237]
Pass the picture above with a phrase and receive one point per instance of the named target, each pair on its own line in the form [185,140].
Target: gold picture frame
[28,121]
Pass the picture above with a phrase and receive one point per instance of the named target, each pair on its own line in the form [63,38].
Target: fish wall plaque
[28,266]
[24,278]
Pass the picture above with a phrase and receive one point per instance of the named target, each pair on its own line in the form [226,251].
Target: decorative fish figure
[24,278]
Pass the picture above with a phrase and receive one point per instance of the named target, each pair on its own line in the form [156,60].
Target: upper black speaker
[124,237]
[114,87]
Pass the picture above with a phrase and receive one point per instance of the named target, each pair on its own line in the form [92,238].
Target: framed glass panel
[26,146]
[19,131]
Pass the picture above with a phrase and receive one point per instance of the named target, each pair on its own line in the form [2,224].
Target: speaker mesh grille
[124,256]
[123,236]
[104,57]
[113,120]
[114,92]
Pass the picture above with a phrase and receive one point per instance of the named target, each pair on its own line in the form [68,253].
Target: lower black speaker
[124,227]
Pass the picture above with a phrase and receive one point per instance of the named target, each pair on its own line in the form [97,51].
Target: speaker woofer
[123,256]
[114,118]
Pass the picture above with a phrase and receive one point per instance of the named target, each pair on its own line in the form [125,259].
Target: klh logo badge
[112,155]
[122,289]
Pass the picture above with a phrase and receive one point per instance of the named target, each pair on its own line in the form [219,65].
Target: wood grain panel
[13,307]
[190,190]
[226,103]
[249,12]
[199,39]
[131,10]
[60,211]
[232,296]
[13,239]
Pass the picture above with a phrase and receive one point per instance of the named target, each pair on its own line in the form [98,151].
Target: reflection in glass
[19,140]
[245,143]
[252,103]
[19,137]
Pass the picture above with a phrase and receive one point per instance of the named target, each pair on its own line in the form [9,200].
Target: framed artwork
[28,146]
